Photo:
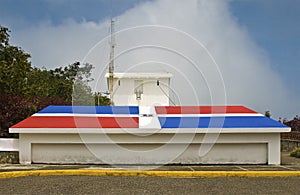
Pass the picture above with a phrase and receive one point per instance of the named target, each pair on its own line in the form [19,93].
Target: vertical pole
[111,61]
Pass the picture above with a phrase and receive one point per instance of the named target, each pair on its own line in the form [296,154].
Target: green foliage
[25,89]
[4,36]
[268,114]
[18,77]
[14,66]
[82,94]
[101,100]
[295,153]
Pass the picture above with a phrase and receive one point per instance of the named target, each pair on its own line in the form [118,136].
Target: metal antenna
[111,61]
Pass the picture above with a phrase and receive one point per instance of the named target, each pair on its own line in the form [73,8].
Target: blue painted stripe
[220,122]
[91,109]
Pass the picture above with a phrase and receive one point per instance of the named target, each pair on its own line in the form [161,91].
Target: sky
[238,52]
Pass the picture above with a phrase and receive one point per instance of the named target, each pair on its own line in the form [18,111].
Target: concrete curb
[150,173]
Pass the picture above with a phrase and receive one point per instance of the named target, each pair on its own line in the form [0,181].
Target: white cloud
[171,46]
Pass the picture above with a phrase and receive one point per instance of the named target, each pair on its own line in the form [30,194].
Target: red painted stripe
[202,109]
[78,122]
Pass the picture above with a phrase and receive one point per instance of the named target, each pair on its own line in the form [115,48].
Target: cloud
[212,57]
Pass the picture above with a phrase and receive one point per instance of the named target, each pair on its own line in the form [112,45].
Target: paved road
[148,185]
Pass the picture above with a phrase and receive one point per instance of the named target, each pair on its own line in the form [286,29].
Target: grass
[296,153]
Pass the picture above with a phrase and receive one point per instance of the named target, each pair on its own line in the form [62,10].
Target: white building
[121,135]
[141,89]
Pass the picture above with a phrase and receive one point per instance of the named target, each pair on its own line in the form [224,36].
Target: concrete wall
[11,157]
[247,148]
[293,135]
[289,145]
[9,150]
[9,144]
[81,154]
[124,92]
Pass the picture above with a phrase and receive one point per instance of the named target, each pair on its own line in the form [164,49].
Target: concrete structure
[9,144]
[140,89]
[149,135]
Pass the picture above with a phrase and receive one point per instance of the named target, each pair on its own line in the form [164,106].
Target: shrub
[296,153]
[16,108]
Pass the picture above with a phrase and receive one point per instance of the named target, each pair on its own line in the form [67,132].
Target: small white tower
[140,89]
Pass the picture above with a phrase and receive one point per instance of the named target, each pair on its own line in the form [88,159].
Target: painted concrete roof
[159,117]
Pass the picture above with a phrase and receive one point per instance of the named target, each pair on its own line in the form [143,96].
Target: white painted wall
[140,148]
[153,94]
[9,144]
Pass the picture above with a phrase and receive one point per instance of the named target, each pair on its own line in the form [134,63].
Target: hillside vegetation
[25,89]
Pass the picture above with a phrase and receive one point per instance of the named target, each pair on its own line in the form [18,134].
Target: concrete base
[158,148]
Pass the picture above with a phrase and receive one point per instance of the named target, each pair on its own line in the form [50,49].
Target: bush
[17,108]
[296,153]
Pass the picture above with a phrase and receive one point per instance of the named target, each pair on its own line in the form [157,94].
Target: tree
[70,83]
[4,36]
[268,114]
[101,100]
[25,89]
[14,66]
[16,108]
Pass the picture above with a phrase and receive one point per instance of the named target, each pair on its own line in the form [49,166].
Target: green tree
[14,66]
[25,89]
[4,36]
[268,114]
[101,100]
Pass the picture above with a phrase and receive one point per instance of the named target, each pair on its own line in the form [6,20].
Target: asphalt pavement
[149,185]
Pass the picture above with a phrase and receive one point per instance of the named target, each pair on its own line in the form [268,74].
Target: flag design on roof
[147,117]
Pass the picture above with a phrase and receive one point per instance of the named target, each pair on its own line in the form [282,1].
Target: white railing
[9,144]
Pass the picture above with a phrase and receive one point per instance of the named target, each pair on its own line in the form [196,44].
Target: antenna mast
[111,61]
